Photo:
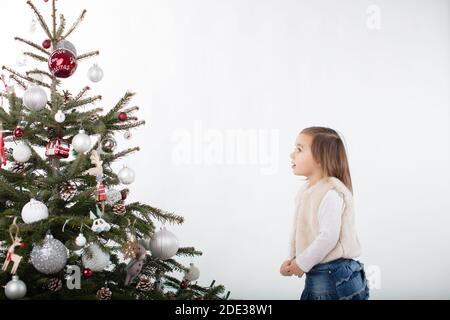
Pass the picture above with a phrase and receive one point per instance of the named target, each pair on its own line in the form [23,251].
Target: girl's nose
[292,155]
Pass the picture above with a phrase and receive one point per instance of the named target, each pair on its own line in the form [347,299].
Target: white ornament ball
[164,244]
[80,241]
[22,153]
[193,273]
[81,142]
[60,116]
[126,175]
[15,289]
[95,258]
[50,257]
[95,73]
[35,98]
[113,196]
[67,45]
[34,211]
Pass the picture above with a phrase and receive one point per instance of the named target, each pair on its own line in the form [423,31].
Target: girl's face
[303,163]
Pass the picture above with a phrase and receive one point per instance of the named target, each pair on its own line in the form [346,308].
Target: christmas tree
[66,229]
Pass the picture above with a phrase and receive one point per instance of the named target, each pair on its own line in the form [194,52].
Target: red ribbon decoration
[2,150]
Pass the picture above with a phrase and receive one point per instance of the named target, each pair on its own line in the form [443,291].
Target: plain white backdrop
[225,86]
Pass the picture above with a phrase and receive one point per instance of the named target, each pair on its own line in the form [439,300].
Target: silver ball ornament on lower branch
[164,244]
[80,241]
[193,273]
[50,257]
[22,153]
[95,258]
[113,196]
[35,98]
[34,211]
[60,116]
[15,289]
[126,175]
[81,142]
[95,73]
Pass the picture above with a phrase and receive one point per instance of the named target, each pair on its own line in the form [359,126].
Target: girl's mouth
[293,166]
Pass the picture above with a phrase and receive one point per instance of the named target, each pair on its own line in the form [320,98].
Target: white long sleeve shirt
[329,217]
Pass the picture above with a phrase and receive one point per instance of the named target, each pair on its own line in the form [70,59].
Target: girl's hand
[284,269]
[293,268]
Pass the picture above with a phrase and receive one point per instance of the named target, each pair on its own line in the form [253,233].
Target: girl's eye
[299,149]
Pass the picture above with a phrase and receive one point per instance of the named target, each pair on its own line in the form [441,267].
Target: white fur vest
[306,225]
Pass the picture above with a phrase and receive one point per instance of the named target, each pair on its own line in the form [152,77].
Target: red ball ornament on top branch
[62,63]
[123,116]
[46,44]
[18,132]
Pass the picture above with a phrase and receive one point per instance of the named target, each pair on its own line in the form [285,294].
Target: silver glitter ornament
[50,257]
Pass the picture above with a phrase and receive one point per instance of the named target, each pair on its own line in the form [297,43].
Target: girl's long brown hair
[328,149]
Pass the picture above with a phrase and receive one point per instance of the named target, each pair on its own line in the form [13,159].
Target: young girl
[323,241]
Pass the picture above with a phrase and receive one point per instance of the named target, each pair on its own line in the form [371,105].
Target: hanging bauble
[183,284]
[164,244]
[113,196]
[18,132]
[46,43]
[35,98]
[126,175]
[108,144]
[81,142]
[22,153]
[95,258]
[34,211]
[104,293]
[193,273]
[50,257]
[60,116]
[123,116]
[80,241]
[54,284]
[127,135]
[67,45]
[87,273]
[95,73]
[62,63]
[15,289]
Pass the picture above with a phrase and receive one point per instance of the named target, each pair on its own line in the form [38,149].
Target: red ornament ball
[183,284]
[22,245]
[46,44]
[18,132]
[87,273]
[123,116]
[62,63]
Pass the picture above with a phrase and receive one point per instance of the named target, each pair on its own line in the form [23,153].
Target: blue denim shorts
[341,279]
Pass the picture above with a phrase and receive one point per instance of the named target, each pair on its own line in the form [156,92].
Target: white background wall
[377,71]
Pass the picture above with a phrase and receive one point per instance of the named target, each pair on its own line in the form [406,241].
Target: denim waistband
[330,265]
